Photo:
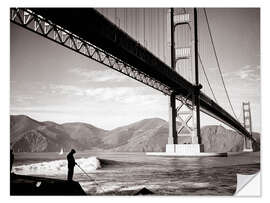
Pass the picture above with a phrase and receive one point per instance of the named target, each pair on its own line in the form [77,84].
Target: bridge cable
[144,27]
[211,37]
[165,34]
[158,34]
[208,82]
[200,59]
[151,24]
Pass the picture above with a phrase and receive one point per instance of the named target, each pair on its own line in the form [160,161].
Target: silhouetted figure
[11,159]
[71,164]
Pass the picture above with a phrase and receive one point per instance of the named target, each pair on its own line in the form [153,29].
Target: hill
[145,135]
[29,135]
[87,135]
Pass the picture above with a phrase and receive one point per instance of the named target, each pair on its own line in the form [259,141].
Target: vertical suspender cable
[212,41]
[156,34]
[144,27]
[164,44]
[127,14]
[150,26]
[124,19]
[158,41]
[115,16]
[136,24]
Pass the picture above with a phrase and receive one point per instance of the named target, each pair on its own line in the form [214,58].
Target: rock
[144,191]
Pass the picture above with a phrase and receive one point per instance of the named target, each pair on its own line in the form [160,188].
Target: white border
[4,80]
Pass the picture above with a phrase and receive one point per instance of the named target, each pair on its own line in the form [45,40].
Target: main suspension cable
[212,41]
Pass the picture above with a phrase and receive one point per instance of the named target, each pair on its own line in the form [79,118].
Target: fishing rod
[91,179]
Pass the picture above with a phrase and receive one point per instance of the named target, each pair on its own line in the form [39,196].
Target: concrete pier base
[174,154]
[182,150]
[247,150]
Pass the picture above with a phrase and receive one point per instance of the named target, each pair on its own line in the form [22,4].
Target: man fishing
[71,164]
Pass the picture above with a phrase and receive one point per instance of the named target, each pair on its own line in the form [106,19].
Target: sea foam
[58,167]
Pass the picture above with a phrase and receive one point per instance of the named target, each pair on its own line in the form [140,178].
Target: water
[126,173]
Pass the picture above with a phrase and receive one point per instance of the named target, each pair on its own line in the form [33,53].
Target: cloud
[248,73]
[107,107]
[116,94]
[65,89]
[48,109]
[98,75]
[21,99]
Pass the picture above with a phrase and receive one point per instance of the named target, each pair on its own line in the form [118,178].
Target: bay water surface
[117,173]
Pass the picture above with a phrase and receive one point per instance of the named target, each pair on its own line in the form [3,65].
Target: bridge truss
[36,23]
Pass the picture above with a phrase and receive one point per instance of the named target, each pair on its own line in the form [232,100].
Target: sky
[50,82]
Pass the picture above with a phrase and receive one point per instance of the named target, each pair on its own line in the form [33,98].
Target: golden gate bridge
[162,48]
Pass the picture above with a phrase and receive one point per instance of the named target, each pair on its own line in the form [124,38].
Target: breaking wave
[58,167]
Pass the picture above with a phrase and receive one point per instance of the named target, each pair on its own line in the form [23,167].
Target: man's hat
[73,151]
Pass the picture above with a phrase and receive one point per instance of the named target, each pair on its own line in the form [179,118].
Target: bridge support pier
[248,125]
[184,121]
[172,139]
[183,138]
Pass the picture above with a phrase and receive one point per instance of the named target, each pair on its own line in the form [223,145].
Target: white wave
[108,188]
[196,185]
[134,188]
[58,167]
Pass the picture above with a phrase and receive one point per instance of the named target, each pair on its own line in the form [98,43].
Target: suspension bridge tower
[184,117]
[248,125]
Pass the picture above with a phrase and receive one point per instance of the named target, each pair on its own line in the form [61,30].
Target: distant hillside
[21,124]
[145,135]
[87,135]
[29,135]
[220,139]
